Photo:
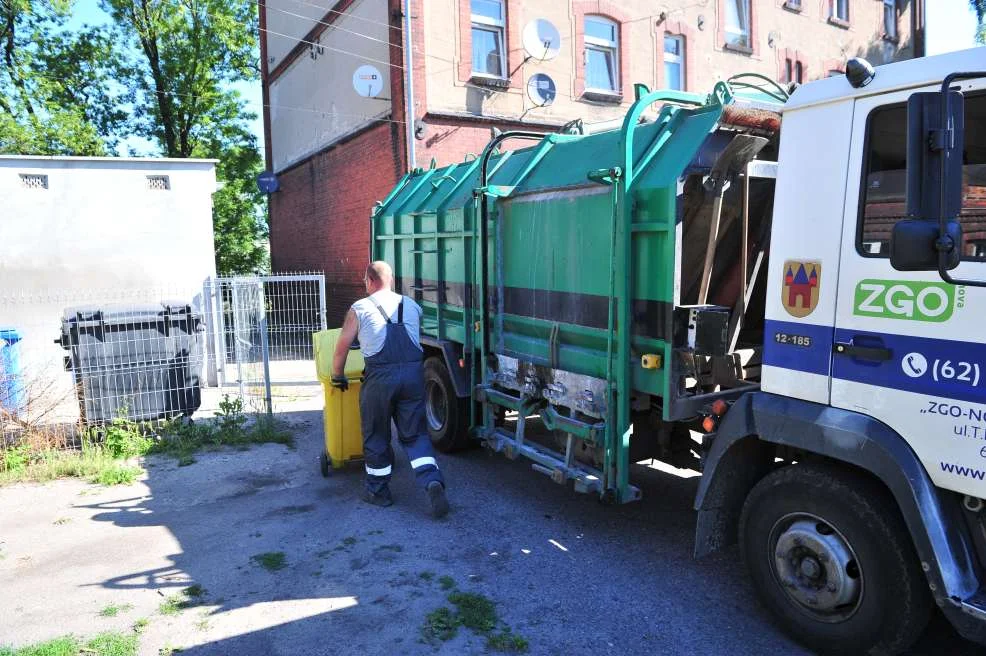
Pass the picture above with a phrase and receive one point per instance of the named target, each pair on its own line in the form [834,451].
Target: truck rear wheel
[446,413]
[830,556]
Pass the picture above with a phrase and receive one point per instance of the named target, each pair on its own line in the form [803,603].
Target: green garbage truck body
[551,281]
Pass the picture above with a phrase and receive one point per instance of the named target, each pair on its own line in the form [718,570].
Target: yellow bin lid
[325,347]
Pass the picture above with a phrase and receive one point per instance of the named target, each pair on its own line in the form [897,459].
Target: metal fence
[84,357]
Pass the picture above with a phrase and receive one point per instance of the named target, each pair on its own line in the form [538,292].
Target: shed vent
[158,182]
[34,180]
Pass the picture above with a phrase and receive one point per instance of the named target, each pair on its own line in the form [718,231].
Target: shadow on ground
[570,575]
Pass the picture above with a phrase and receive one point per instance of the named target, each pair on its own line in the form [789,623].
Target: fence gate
[262,331]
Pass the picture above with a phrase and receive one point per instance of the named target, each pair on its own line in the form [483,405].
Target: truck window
[885,174]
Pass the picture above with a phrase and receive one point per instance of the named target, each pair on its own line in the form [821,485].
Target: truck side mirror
[914,245]
[935,136]
[933,190]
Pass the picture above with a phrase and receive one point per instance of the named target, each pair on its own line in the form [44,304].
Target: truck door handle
[876,353]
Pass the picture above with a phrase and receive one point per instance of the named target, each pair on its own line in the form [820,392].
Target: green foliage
[440,625]
[187,598]
[140,625]
[113,610]
[104,644]
[979,6]
[474,611]
[124,438]
[92,463]
[446,582]
[507,641]
[271,561]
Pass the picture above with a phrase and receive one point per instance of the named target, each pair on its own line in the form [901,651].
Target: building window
[602,45]
[890,19]
[884,184]
[488,56]
[840,11]
[34,180]
[738,23]
[674,62]
[793,4]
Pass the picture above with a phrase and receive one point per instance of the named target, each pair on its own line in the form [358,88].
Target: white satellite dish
[368,81]
[541,89]
[542,40]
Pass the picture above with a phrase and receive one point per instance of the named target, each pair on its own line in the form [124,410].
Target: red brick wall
[320,219]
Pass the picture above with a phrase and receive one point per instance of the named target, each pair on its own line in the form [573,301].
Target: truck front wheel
[446,413]
[830,556]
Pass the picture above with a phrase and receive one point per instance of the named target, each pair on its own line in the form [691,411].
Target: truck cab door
[910,349]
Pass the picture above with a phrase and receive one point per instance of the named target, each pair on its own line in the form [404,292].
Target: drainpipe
[409,87]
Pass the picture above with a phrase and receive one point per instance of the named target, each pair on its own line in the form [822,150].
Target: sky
[951,25]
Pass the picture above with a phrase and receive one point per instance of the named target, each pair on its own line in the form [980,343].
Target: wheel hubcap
[816,567]
[436,406]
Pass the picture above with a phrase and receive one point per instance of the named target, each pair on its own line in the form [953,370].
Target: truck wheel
[830,557]
[446,413]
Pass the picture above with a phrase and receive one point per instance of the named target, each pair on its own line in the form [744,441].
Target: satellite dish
[267,182]
[368,81]
[541,89]
[541,39]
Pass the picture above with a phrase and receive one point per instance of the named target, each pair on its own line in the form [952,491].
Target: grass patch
[92,463]
[113,610]
[61,521]
[271,560]
[440,625]
[140,625]
[104,644]
[475,611]
[446,582]
[349,541]
[507,641]
[426,576]
[230,427]
[187,598]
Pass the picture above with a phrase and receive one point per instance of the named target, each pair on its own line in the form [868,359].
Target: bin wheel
[326,464]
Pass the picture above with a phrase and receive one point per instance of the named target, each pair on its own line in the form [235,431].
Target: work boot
[439,502]
[381,498]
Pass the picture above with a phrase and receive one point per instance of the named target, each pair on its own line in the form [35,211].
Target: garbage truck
[780,291]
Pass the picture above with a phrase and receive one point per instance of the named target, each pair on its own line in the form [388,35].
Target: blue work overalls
[393,388]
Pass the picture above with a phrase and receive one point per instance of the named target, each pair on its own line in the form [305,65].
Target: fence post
[212,309]
[265,348]
[321,301]
[237,311]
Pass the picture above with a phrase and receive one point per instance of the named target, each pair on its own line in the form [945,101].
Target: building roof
[111,160]
[911,73]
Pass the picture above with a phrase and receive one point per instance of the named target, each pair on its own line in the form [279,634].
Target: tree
[191,52]
[979,6]
[56,91]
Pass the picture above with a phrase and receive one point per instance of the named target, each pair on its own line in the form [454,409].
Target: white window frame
[488,24]
[892,6]
[835,10]
[671,58]
[607,46]
[743,38]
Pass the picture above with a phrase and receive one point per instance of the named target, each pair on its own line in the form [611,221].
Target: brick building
[335,97]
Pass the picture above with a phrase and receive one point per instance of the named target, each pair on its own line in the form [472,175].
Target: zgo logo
[899,299]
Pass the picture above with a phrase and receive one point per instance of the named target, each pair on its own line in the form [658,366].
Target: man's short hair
[379,271]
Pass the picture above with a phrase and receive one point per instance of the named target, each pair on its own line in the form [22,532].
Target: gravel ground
[569,575]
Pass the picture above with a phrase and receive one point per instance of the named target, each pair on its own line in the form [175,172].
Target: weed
[187,598]
[271,561]
[113,610]
[440,625]
[140,625]
[446,582]
[350,541]
[61,521]
[426,576]
[186,459]
[391,547]
[124,438]
[375,532]
[507,641]
[93,463]
[324,554]
[194,591]
[474,611]
[203,624]
[168,650]
[104,644]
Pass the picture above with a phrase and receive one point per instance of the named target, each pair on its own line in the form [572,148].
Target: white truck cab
[874,366]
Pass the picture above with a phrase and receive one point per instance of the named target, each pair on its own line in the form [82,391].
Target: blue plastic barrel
[12,393]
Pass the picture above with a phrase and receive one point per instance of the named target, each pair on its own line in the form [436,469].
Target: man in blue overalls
[388,327]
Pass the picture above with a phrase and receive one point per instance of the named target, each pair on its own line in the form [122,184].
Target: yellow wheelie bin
[343,436]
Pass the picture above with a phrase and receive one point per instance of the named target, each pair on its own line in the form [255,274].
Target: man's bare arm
[349,329]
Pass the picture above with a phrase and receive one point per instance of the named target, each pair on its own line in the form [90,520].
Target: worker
[388,326]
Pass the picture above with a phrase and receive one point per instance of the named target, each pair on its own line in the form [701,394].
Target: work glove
[340,383]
